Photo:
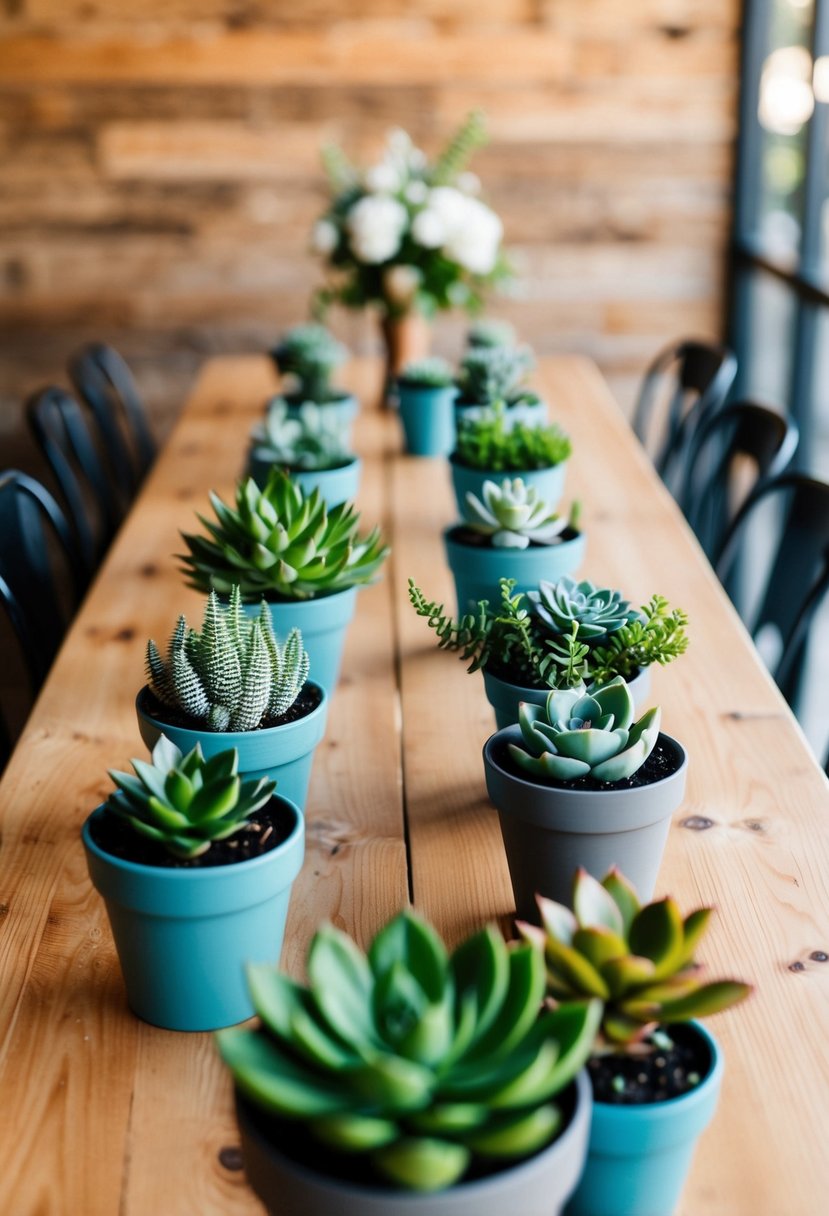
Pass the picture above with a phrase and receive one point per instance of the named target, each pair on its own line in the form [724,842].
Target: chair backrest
[735,434]
[697,377]
[61,430]
[103,380]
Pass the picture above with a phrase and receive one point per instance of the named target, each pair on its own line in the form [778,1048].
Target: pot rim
[489,675]
[258,448]
[556,547]
[682,1102]
[494,473]
[232,735]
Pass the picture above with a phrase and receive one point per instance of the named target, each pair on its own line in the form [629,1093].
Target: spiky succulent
[281,543]
[234,675]
[491,374]
[576,734]
[638,960]
[308,438]
[598,611]
[309,354]
[489,333]
[431,372]
[489,441]
[421,1060]
[184,803]
[512,514]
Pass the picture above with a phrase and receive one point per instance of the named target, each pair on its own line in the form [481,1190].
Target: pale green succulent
[487,333]
[512,515]
[638,960]
[423,1061]
[597,610]
[310,437]
[281,543]
[232,676]
[431,372]
[491,374]
[184,803]
[309,354]
[576,734]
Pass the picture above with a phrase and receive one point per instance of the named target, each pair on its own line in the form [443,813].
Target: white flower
[470,183]
[399,141]
[400,283]
[450,205]
[428,229]
[375,225]
[417,192]
[475,242]
[324,237]
[382,178]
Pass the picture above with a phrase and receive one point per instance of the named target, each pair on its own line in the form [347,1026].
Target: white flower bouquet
[408,235]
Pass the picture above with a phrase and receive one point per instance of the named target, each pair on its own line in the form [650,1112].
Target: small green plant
[425,1062]
[512,515]
[579,734]
[310,439]
[491,374]
[234,675]
[489,442]
[309,354]
[490,333]
[432,372]
[184,803]
[638,960]
[280,543]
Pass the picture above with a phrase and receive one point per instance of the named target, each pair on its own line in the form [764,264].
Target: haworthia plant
[309,354]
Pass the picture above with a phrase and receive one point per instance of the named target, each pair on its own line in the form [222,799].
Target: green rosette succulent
[311,438]
[184,803]
[597,611]
[512,515]
[280,543]
[423,1061]
[309,354]
[638,960]
[576,734]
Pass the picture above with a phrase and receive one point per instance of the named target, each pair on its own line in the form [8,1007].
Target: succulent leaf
[512,515]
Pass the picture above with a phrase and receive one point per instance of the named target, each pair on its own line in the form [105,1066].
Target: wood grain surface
[102,1114]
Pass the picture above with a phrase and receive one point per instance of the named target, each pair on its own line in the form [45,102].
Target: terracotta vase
[406,337]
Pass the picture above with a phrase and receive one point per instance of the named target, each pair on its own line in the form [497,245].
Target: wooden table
[101,1114]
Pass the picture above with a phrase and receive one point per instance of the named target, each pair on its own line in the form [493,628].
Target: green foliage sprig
[491,443]
[658,636]
[464,143]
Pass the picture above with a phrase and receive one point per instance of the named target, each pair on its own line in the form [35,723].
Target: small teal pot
[477,568]
[505,697]
[335,485]
[532,411]
[428,419]
[323,623]
[640,1156]
[282,753]
[548,483]
[184,936]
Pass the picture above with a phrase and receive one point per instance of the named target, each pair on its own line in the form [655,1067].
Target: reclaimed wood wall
[160,166]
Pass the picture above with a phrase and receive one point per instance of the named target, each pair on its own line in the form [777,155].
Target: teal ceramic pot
[323,623]
[549,483]
[640,1156]
[505,697]
[477,568]
[549,832]
[183,936]
[427,415]
[532,411]
[282,753]
[335,485]
[539,1186]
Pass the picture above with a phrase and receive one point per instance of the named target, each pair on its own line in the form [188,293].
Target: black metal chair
[712,489]
[102,379]
[60,428]
[798,573]
[696,377]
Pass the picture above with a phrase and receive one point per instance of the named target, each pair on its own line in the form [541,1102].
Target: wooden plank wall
[160,166]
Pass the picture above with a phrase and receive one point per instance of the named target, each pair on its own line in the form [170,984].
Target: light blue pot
[283,753]
[548,483]
[505,697]
[335,485]
[428,419]
[640,1156]
[477,568]
[323,623]
[532,412]
[184,936]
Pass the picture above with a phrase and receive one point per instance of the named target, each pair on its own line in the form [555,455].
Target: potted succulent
[234,685]
[562,635]
[490,375]
[288,548]
[195,866]
[489,332]
[489,448]
[655,1072]
[579,782]
[410,1081]
[310,445]
[509,532]
[307,355]
[426,394]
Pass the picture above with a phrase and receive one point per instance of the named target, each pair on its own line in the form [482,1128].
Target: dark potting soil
[661,763]
[306,702]
[625,1080]
[268,827]
[468,536]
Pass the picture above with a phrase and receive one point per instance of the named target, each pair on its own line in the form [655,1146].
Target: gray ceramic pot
[539,1186]
[548,833]
[505,697]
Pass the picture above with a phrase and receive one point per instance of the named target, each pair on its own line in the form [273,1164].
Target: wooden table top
[101,1114]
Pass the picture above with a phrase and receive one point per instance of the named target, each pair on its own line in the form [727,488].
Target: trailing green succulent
[490,333]
[309,354]
[578,734]
[510,639]
[491,374]
[282,544]
[512,515]
[489,441]
[184,803]
[234,675]
[430,372]
[424,1062]
[312,438]
[637,959]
